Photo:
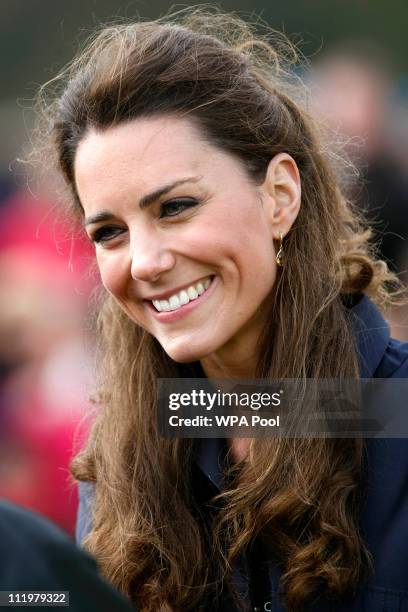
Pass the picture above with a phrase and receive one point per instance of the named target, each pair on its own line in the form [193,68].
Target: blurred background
[359,85]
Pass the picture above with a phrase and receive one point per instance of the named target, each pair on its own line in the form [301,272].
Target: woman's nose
[150,258]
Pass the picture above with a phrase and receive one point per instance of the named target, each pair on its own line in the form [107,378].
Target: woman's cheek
[113,273]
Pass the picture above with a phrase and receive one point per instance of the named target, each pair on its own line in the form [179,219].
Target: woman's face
[184,240]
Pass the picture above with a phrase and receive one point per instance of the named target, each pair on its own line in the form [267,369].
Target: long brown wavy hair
[237,83]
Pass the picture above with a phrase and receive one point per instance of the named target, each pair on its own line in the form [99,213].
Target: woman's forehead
[142,153]
[143,140]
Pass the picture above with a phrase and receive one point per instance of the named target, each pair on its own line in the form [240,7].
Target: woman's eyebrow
[158,193]
[98,217]
[145,201]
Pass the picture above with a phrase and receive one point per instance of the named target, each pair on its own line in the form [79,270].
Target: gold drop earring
[280,254]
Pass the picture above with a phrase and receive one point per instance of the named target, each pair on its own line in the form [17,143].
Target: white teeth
[174,302]
[165,306]
[183,297]
[192,293]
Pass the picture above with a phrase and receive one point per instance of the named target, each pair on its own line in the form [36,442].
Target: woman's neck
[216,367]
[236,359]
[227,365]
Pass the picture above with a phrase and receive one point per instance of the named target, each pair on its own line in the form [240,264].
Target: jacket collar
[372,334]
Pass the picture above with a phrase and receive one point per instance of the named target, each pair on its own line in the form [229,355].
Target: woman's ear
[281,193]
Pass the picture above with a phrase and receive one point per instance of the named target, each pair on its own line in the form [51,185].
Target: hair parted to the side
[301,495]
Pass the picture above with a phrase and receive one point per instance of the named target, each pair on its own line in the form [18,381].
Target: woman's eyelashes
[105,233]
[173,208]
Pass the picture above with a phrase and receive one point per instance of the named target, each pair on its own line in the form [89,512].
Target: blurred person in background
[44,365]
[353,92]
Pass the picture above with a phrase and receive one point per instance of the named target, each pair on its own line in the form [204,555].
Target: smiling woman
[226,248]
[161,241]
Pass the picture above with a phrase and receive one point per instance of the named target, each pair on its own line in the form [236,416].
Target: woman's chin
[186,354]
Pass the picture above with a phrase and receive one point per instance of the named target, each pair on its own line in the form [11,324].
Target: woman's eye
[106,233]
[175,207]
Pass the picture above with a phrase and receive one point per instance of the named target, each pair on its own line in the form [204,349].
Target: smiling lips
[176,301]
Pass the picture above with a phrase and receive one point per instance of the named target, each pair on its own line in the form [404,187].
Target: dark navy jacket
[384,511]
[36,556]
